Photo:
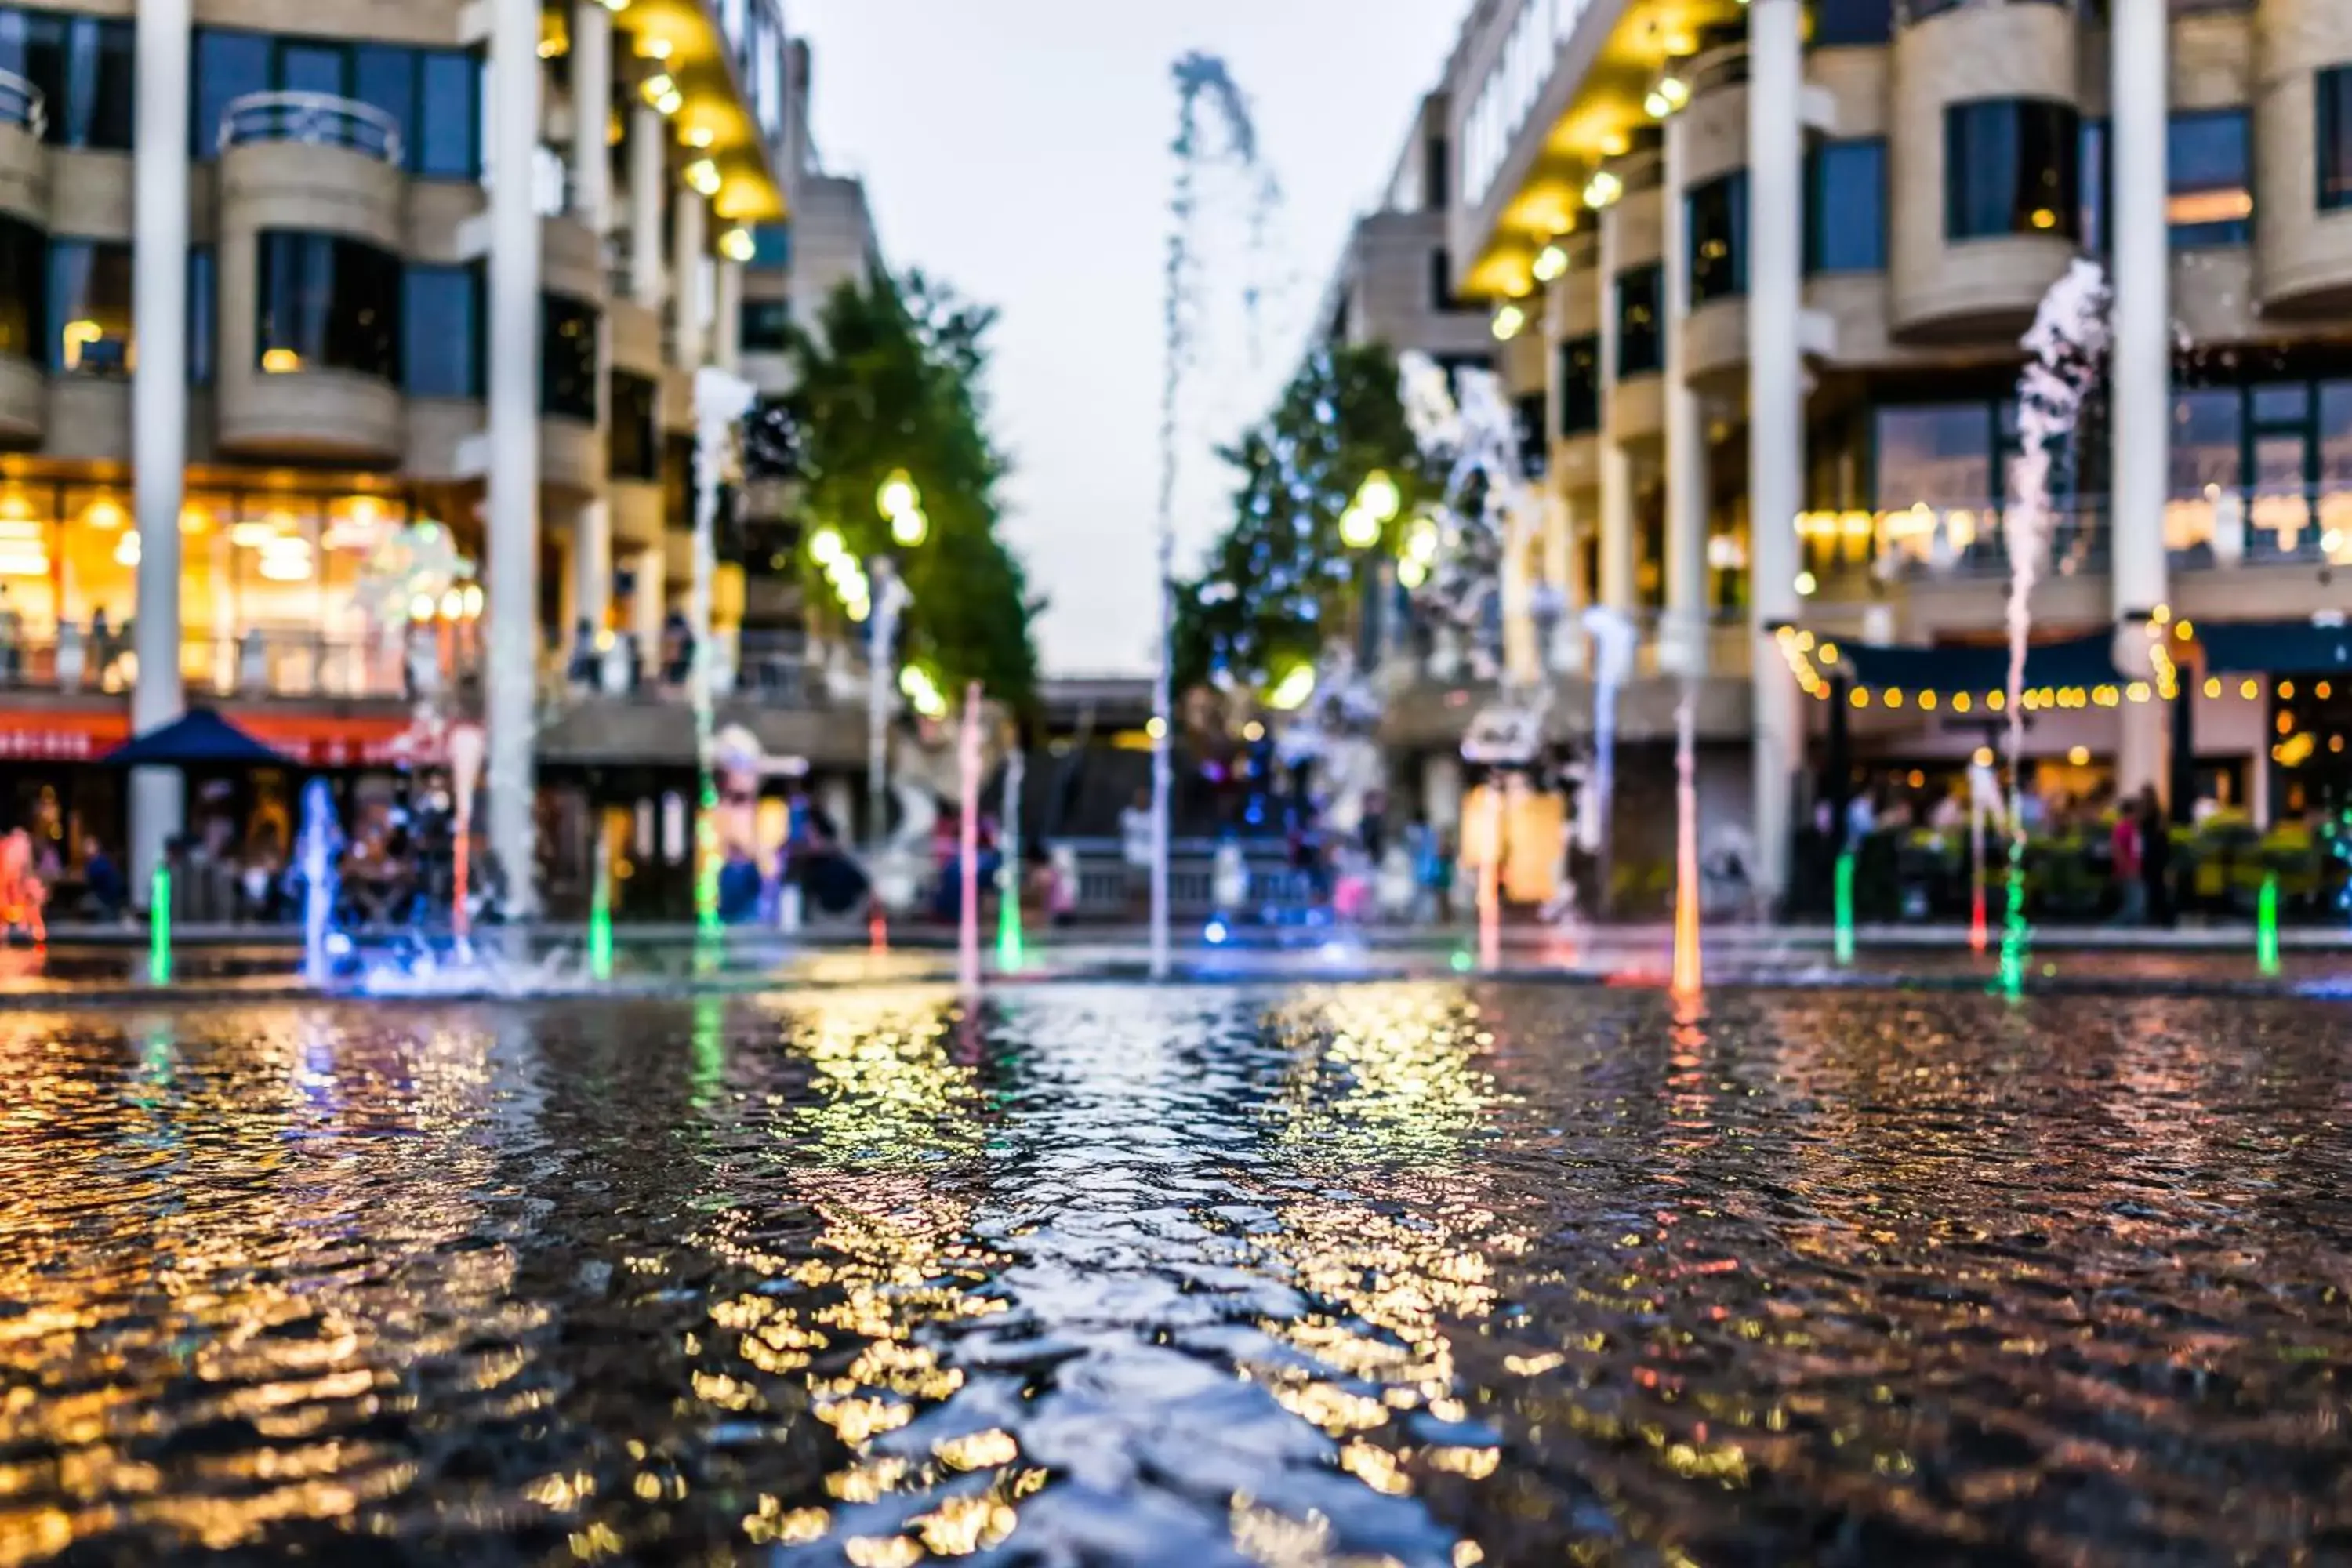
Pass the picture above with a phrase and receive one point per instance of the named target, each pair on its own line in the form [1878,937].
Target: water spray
[466,750]
[720,401]
[1010,953]
[600,912]
[1689,976]
[2266,935]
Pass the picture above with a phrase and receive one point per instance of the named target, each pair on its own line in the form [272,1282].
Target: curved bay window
[1641,321]
[326,301]
[89,308]
[2011,165]
[1717,221]
[567,371]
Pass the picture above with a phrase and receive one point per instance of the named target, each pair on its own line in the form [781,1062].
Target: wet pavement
[1432,1273]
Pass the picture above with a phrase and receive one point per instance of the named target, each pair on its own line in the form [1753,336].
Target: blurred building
[382,275]
[1765,269]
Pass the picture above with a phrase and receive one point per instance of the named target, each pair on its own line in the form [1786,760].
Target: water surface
[1427,1274]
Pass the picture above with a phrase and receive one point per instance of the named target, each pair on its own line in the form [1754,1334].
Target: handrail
[1725,64]
[21,104]
[315,118]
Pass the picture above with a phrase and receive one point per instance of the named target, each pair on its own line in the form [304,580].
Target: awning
[2274,647]
[198,738]
[2084,662]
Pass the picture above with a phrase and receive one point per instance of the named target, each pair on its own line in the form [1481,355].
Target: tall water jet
[316,851]
[968,837]
[1010,953]
[2065,351]
[721,399]
[1614,638]
[466,751]
[1197,77]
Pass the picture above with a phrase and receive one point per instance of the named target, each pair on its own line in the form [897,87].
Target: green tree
[892,377]
[1279,582]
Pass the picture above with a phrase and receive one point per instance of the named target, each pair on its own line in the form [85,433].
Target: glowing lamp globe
[1358,529]
[1380,496]
[825,546]
[898,496]
[909,527]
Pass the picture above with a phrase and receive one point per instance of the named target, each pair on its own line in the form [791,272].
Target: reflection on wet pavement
[1424,1274]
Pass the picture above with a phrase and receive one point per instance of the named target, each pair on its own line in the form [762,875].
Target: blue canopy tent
[198,738]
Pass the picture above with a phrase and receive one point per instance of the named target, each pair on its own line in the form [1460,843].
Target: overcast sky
[1017,148]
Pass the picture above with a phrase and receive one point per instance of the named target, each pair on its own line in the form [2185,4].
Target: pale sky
[1017,148]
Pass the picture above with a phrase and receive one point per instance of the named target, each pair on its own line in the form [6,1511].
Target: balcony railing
[256,664]
[770,667]
[21,104]
[313,118]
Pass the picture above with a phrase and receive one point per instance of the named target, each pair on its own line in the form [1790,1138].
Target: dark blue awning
[199,737]
[2274,647]
[2084,661]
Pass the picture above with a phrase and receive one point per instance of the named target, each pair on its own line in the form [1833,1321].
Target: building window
[1852,21]
[325,301]
[766,325]
[1641,321]
[2012,166]
[2332,92]
[228,65]
[1940,456]
[89,308]
[203,316]
[2097,162]
[1436,173]
[2212,197]
[24,283]
[1442,297]
[568,356]
[1845,216]
[2208,442]
[445,143]
[635,443]
[1579,386]
[434,96]
[86,70]
[772,244]
[1715,215]
[383,76]
[441,331]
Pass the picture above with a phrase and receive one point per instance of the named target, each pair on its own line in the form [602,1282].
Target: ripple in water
[1415,1274]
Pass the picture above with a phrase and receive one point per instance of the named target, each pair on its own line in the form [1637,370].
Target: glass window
[1641,340]
[2336,435]
[2212,197]
[1716,218]
[2207,437]
[441,331]
[1936,455]
[85,68]
[228,65]
[305,67]
[2332,93]
[766,326]
[326,301]
[1579,386]
[1845,216]
[202,315]
[1528,424]
[2095,160]
[1852,21]
[24,281]
[567,385]
[447,141]
[2012,166]
[772,244]
[635,443]
[89,308]
[385,77]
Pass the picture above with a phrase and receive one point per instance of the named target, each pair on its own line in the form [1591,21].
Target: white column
[1776,400]
[2140,388]
[687,246]
[1616,462]
[1566,654]
[591,568]
[509,685]
[726,316]
[159,410]
[592,99]
[648,173]
[1682,637]
[647,604]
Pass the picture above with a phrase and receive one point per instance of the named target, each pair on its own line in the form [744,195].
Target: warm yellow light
[472,597]
[736,245]
[654,48]
[1292,690]
[699,136]
[1982,757]
[2286,690]
[252,535]
[657,87]
[105,513]
[1673,89]
[280,361]
[2249,690]
[1380,496]
[911,527]
[126,550]
[1156,727]
[859,611]
[1805,584]
[1997,701]
[1962,702]
[2185,629]
[2044,219]
[1551,262]
[669,103]
[1859,698]
[1602,189]
[1358,529]
[2080,756]
[1410,574]
[1508,320]
[825,546]
[2212,686]
[703,175]
[420,607]
[616,6]
[1253,730]
[2324,690]
[1927,703]
[897,494]
[1421,543]
[1894,697]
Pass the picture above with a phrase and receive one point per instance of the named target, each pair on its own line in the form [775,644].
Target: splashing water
[1197,77]
[1466,423]
[2067,349]
[318,850]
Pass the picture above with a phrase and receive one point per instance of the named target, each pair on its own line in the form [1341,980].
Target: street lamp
[1376,505]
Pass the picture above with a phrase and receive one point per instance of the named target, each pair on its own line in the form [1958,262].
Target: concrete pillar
[1682,637]
[1616,586]
[1441,791]
[509,685]
[1776,399]
[591,566]
[159,410]
[648,174]
[2140,384]
[726,316]
[687,308]
[647,604]
[592,98]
